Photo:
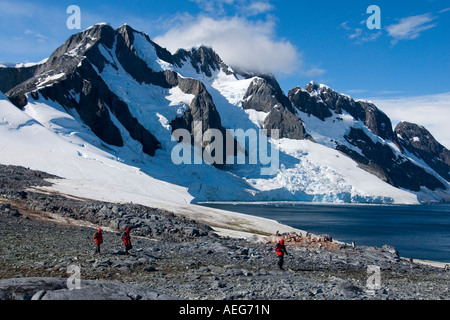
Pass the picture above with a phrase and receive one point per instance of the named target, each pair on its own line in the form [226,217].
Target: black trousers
[280,262]
[97,248]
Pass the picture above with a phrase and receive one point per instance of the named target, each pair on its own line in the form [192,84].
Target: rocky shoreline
[45,234]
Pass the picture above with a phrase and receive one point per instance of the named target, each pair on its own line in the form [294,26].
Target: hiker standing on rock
[98,238]
[127,240]
[280,249]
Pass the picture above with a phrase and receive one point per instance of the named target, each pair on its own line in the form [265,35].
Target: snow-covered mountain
[101,110]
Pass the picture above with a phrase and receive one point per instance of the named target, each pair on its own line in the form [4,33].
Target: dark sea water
[418,231]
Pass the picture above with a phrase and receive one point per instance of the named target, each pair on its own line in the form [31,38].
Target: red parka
[280,248]
[98,237]
[126,237]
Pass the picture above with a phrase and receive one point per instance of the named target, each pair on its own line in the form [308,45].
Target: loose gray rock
[39,295]
[193,263]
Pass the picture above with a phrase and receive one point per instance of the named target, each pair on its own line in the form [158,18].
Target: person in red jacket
[98,238]
[127,240]
[280,249]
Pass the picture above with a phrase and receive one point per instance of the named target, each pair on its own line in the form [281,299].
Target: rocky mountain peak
[418,137]
[75,48]
[128,34]
[321,100]
[203,59]
[124,87]
[265,95]
[369,137]
[65,60]
[419,141]
[313,86]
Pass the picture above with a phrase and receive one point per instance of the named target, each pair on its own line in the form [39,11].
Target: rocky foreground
[46,238]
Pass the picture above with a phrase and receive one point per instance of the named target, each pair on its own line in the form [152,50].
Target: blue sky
[402,66]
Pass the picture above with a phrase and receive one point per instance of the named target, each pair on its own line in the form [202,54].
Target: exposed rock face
[94,104]
[65,59]
[265,95]
[201,110]
[260,96]
[289,125]
[420,142]
[80,60]
[373,153]
[203,59]
[376,120]
[128,32]
[177,258]
[74,77]
[302,99]
[11,77]
[381,160]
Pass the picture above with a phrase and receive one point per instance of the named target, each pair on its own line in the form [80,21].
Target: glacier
[45,135]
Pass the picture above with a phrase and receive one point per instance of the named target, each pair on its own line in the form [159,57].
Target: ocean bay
[417,231]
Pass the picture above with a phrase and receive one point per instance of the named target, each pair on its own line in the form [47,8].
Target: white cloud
[39,37]
[410,27]
[376,93]
[231,28]
[241,43]
[430,111]
[258,7]
[356,34]
[345,25]
[216,6]
[240,7]
[360,35]
[314,72]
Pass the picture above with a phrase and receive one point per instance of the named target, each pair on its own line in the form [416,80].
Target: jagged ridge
[74,77]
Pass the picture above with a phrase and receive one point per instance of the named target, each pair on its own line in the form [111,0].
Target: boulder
[390,249]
